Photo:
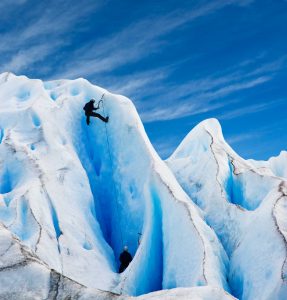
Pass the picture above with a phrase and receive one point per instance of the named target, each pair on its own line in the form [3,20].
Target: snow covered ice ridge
[72,195]
[245,203]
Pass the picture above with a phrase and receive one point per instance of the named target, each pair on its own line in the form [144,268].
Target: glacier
[277,165]
[244,202]
[205,224]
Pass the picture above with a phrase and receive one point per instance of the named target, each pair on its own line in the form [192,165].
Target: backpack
[85,108]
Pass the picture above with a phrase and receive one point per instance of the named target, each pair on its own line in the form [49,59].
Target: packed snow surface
[203,225]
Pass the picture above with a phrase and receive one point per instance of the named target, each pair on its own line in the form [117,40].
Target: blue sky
[179,61]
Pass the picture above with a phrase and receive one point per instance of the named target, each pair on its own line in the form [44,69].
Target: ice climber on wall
[89,112]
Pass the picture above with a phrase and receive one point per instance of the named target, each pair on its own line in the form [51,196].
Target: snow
[277,165]
[195,293]
[74,195]
[243,203]
[211,224]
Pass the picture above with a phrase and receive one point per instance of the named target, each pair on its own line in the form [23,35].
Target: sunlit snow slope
[245,203]
[72,195]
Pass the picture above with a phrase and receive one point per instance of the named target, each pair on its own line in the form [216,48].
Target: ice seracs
[243,203]
[74,195]
[277,165]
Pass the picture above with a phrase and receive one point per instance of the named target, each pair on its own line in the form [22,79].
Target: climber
[89,107]
[125,259]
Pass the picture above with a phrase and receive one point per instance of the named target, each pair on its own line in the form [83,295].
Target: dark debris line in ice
[60,286]
[40,230]
[28,257]
[282,190]
[191,219]
[35,165]
[223,196]
[55,279]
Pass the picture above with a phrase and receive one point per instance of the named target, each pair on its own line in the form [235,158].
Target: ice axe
[139,238]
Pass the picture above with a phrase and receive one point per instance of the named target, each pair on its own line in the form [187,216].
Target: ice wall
[75,194]
[243,204]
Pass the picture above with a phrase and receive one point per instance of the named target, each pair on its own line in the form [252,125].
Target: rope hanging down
[110,156]
[138,255]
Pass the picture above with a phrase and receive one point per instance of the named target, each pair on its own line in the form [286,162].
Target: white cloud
[103,56]
[27,58]
[135,83]
[198,103]
[208,94]
[249,109]
[135,42]
[234,139]
[195,96]
[47,33]
[9,3]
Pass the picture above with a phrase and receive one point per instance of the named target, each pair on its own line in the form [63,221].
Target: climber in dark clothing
[89,112]
[125,259]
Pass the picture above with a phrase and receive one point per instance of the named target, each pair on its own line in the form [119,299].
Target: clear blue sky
[179,61]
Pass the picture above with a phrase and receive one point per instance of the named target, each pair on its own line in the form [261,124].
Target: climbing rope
[122,285]
[110,156]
